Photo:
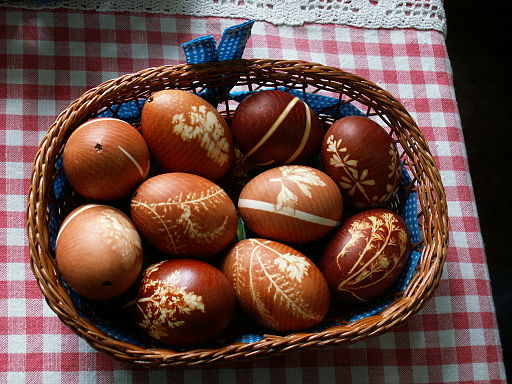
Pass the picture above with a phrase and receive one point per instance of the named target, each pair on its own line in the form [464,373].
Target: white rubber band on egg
[301,215]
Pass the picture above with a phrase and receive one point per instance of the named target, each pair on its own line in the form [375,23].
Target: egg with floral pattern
[360,156]
[365,256]
[276,285]
[184,302]
[185,133]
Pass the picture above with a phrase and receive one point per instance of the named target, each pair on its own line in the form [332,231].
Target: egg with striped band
[275,128]
[291,203]
[105,159]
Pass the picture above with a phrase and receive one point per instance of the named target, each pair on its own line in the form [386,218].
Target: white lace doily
[417,14]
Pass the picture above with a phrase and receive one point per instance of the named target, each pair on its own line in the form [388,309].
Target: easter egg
[274,128]
[277,286]
[186,134]
[182,214]
[98,251]
[105,159]
[184,302]
[291,203]
[365,256]
[359,155]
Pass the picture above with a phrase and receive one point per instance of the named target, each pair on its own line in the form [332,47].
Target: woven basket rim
[429,188]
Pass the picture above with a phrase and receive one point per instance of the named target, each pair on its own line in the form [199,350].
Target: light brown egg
[105,159]
[276,285]
[184,302]
[98,251]
[183,214]
[186,134]
[291,203]
[365,256]
[359,155]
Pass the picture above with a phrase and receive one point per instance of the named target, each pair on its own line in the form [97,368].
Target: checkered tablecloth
[49,58]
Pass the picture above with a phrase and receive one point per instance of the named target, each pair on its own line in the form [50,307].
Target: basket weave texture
[249,75]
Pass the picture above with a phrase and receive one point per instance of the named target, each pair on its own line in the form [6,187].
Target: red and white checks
[49,58]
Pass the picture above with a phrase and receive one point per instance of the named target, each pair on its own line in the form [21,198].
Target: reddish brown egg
[291,203]
[186,134]
[98,251]
[183,214]
[105,159]
[276,285]
[274,127]
[362,159]
[365,256]
[184,302]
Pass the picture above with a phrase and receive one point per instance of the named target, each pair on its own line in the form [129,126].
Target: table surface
[51,57]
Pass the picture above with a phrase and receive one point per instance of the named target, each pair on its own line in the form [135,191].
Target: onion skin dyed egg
[359,155]
[276,285]
[105,159]
[98,251]
[184,302]
[275,128]
[291,203]
[187,134]
[182,214]
[365,256]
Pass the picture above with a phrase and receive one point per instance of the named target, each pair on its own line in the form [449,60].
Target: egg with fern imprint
[276,285]
[182,214]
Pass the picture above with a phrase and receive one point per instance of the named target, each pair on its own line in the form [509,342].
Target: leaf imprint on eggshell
[167,304]
[279,284]
[378,238]
[301,177]
[120,237]
[203,126]
[353,179]
[189,204]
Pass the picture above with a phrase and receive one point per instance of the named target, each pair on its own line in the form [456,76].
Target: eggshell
[291,203]
[98,251]
[274,127]
[360,156]
[184,302]
[183,214]
[105,159]
[365,256]
[186,134]
[276,285]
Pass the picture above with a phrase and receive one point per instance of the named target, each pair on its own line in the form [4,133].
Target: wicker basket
[252,75]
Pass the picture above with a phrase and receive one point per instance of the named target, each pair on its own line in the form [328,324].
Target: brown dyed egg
[362,159]
[183,214]
[291,203]
[186,134]
[105,159]
[365,256]
[276,285]
[184,302]
[98,251]
[274,127]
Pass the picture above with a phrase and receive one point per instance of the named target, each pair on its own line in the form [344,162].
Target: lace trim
[416,14]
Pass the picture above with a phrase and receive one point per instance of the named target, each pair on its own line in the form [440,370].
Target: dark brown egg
[359,155]
[184,302]
[105,159]
[276,285]
[186,134]
[183,214]
[98,251]
[274,127]
[365,256]
[291,203]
